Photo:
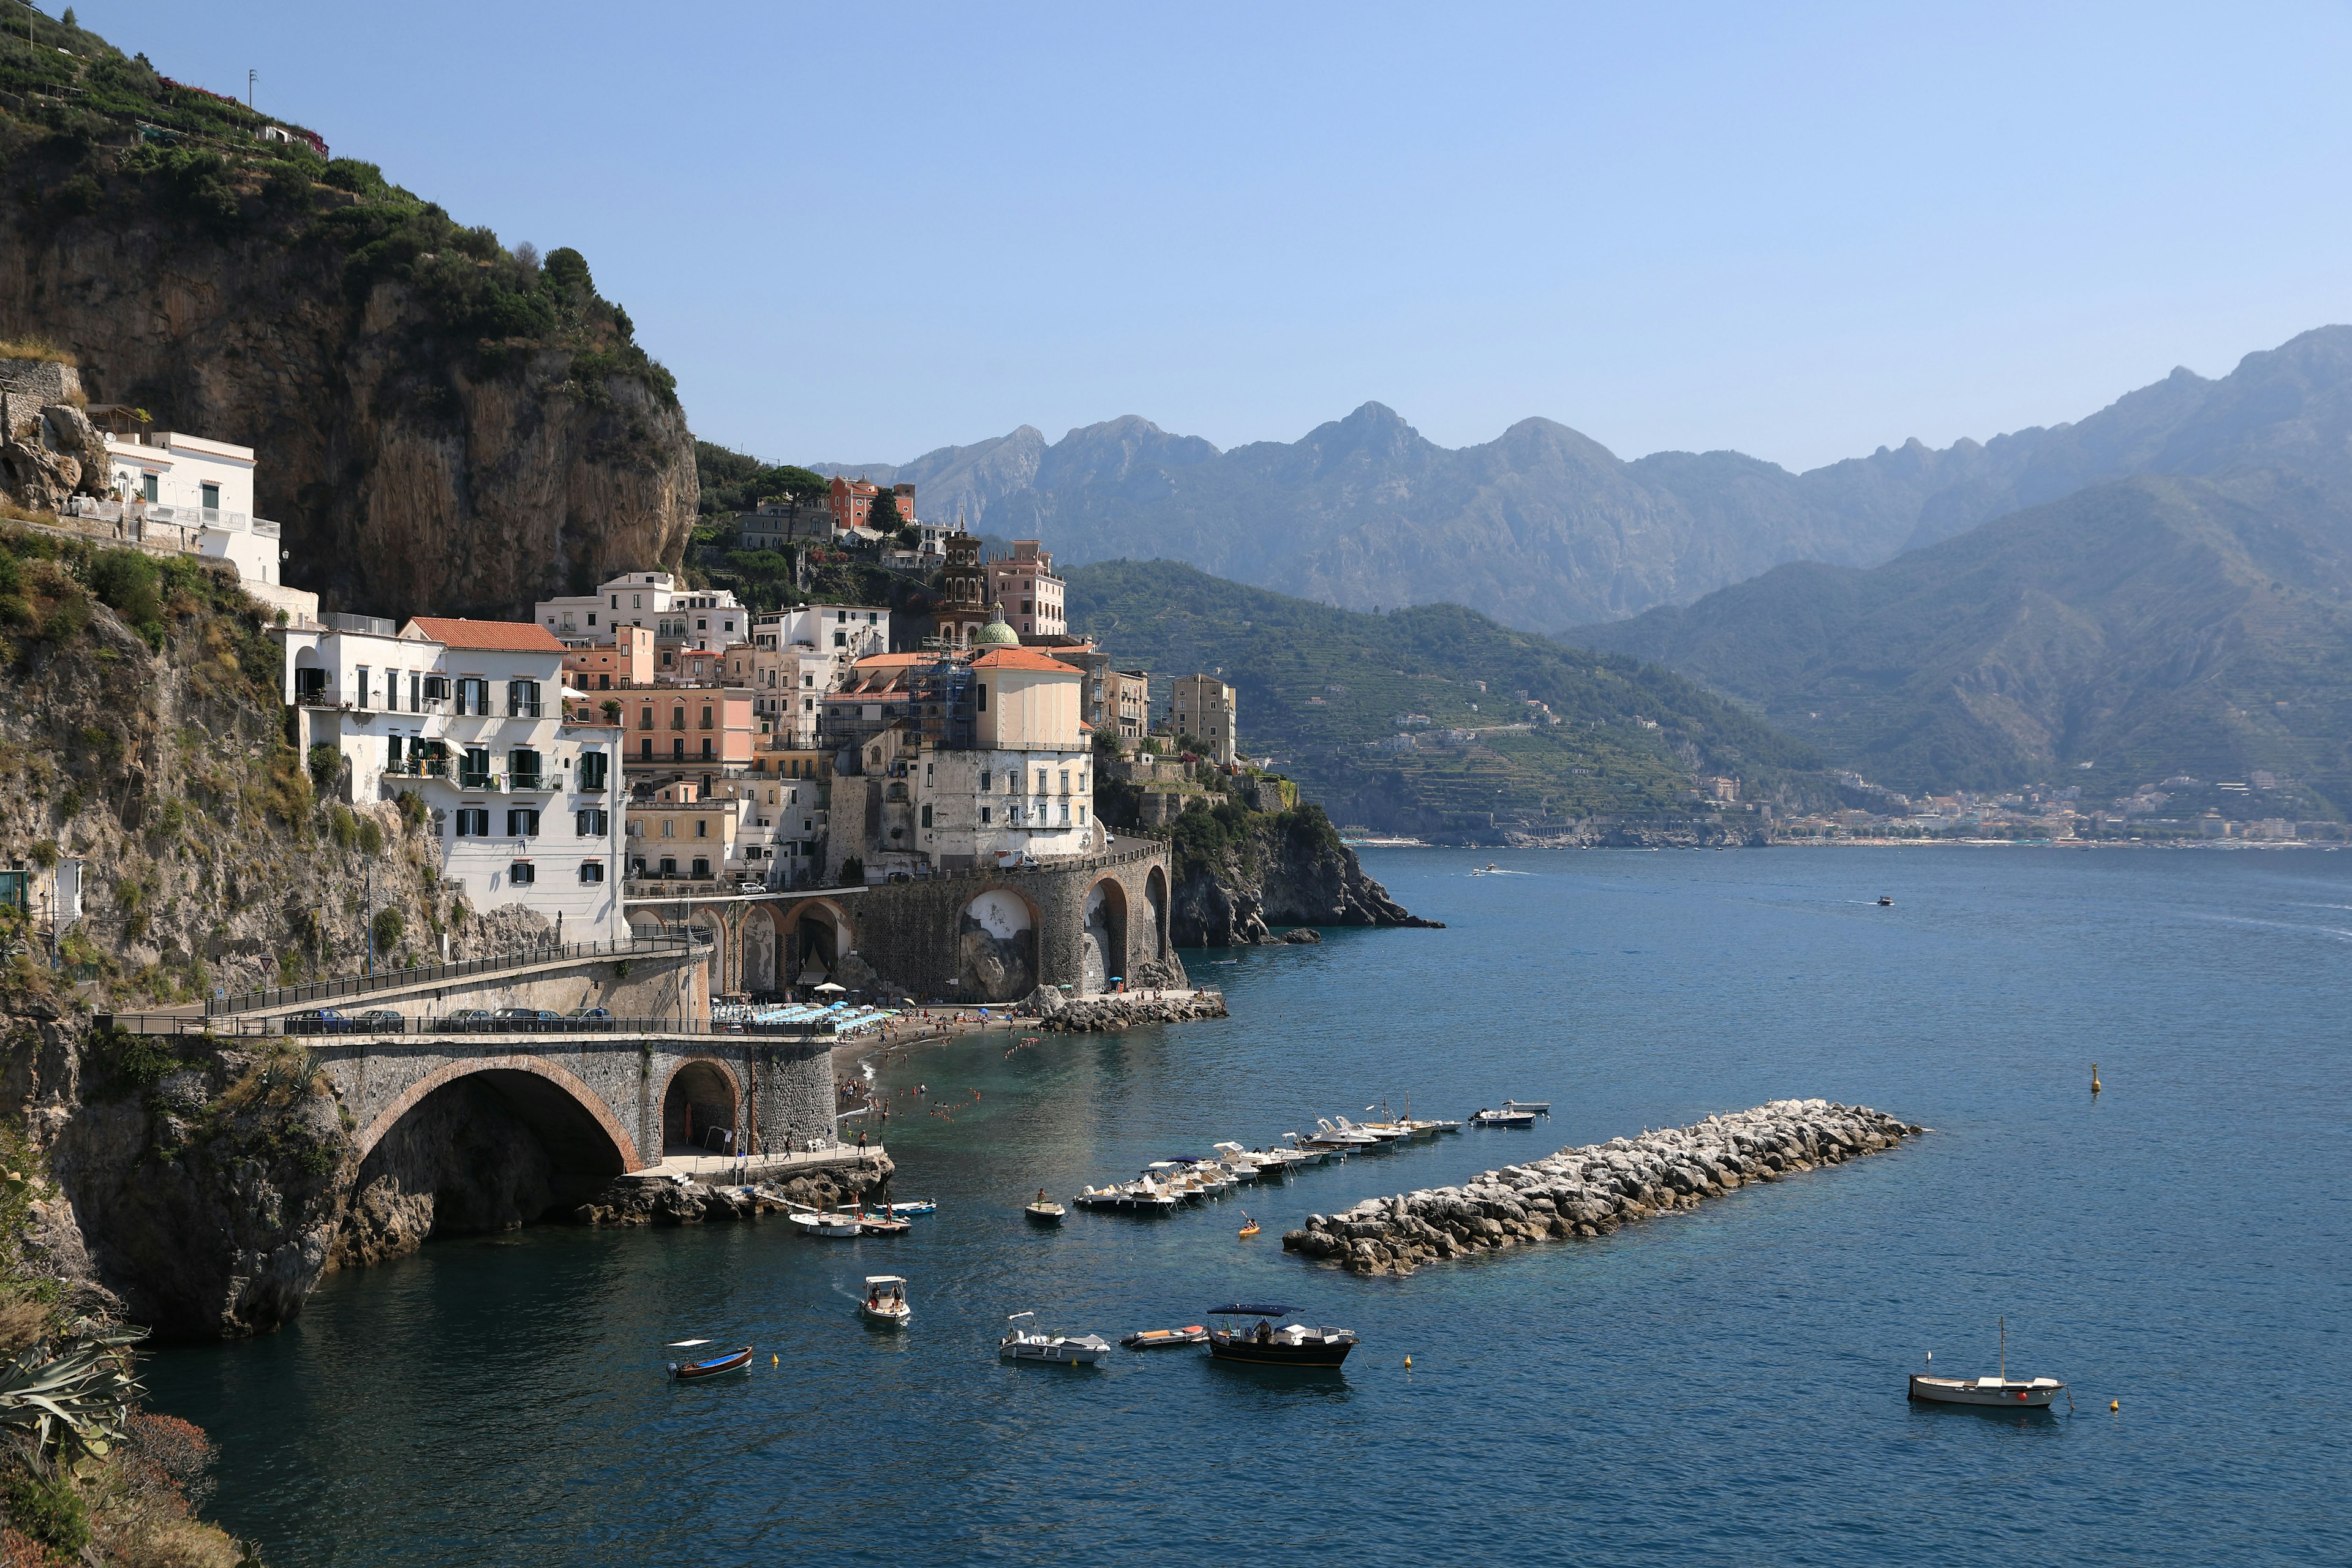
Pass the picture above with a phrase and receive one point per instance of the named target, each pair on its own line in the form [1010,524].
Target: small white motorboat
[1301,1154]
[2001,1391]
[1540,1106]
[1035,1344]
[885,1301]
[1503,1119]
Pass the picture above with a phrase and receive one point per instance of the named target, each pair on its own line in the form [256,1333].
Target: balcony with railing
[417,768]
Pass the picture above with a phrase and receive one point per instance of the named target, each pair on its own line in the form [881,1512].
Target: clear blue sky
[859,232]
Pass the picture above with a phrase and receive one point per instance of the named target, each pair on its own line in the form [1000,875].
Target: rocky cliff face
[1241,873]
[440,426]
[201,1186]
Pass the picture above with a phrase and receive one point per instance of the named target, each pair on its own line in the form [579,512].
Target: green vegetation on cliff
[1327,692]
[442,423]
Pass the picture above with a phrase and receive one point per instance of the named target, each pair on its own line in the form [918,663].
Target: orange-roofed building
[955,765]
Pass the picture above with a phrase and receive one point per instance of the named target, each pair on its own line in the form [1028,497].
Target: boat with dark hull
[707,1367]
[1265,1344]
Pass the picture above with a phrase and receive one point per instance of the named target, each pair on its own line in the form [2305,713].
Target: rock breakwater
[1585,1193]
[635,1201]
[1099,1014]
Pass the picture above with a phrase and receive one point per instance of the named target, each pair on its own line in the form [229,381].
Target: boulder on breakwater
[1581,1194]
[639,1201]
[1097,1014]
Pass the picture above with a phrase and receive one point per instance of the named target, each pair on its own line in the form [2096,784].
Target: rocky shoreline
[636,1202]
[1585,1193]
[1096,1014]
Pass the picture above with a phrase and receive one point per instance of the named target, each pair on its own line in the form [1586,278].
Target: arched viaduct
[987,936]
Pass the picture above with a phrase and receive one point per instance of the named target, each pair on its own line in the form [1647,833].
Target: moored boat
[831,1226]
[1035,1344]
[1540,1106]
[1044,1211]
[1503,1119]
[1161,1339]
[706,1366]
[1265,1344]
[2000,1391]
[919,1205]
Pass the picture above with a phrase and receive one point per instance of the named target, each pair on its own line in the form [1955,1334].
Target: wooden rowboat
[708,1366]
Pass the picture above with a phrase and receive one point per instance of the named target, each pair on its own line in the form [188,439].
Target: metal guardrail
[275,997]
[305,1025]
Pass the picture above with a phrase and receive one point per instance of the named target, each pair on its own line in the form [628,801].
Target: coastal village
[658,756]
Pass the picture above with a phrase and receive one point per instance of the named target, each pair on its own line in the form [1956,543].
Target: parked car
[517,1020]
[467,1021]
[317,1021]
[379,1021]
[588,1019]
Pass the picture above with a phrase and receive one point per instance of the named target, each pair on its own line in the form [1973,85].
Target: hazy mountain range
[2149,627]
[1547,530]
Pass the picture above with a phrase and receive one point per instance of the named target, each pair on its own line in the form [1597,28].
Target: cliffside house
[784,522]
[701,728]
[1025,586]
[522,802]
[1202,707]
[624,661]
[797,656]
[1113,701]
[679,617]
[853,499]
[182,492]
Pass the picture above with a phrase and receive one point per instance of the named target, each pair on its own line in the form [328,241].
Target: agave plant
[79,1391]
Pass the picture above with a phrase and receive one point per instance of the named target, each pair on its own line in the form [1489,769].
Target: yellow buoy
[775,1360]
[1408,1361]
[2094,1078]
[2115,1405]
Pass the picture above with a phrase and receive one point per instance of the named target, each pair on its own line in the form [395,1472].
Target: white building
[1024,786]
[799,655]
[703,619]
[523,804]
[197,493]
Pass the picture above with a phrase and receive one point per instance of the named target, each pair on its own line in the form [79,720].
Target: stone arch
[1102,936]
[996,945]
[816,933]
[536,1085]
[1155,900]
[763,951]
[700,1093]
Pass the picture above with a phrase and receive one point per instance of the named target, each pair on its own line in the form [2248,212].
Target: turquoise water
[1722,1386]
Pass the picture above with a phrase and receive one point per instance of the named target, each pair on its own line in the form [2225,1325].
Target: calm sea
[1723,1386]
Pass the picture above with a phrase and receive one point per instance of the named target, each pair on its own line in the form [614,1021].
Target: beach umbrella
[836,990]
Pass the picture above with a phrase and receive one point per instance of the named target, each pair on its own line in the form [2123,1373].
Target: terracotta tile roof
[499,637]
[1023,658]
[892,661]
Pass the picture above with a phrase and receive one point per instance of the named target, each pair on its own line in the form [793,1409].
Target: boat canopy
[684,1345]
[1244,1310]
[885,1279]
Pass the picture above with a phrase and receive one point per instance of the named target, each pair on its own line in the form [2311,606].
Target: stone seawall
[1102,1013]
[1581,1194]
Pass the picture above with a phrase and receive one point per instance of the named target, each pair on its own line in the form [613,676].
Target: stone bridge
[988,936]
[600,1104]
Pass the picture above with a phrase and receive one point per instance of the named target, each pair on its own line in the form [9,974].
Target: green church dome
[996,634]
